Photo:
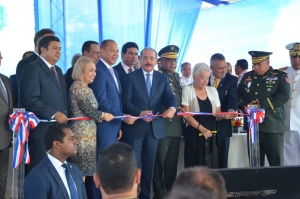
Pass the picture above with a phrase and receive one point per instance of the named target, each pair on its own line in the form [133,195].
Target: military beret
[259,56]
[294,48]
[169,52]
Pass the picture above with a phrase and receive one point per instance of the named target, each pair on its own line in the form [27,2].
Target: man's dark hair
[242,63]
[189,193]
[27,52]
[129,45]
[41,34]
[217,57]
[104,43]
[184,64]
[54,133]
[202,178]
[116,168]
[86,46]
[45,42]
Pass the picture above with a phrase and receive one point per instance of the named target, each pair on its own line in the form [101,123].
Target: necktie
[216,83]
[3,91]
[130,69]
[148,84]
[55,73]
[111,70]
[72,188]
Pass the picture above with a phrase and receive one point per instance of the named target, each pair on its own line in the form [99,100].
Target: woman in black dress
[199,97]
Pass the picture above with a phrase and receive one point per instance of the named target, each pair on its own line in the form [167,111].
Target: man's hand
[169,113]
[120,134]
[147,113]
[129,120]
[60,117]
[230,116]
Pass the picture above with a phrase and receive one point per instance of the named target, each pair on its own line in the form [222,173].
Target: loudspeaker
[263,182]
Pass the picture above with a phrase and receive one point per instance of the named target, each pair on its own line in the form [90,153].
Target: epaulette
[281,70]
[160,71]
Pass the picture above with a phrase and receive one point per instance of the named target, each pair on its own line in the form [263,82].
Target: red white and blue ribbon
[254,117]
[21,122]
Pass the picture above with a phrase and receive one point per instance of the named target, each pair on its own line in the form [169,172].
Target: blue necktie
[148,84]
[72,188]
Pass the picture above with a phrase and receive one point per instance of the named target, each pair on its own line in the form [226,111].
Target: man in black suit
[129,55]
[226,86]
[145,92]
[38,36]
[6,106]
[43,91]
[89,49]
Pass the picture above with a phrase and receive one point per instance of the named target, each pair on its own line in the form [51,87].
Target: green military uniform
[165,169]
[272,90]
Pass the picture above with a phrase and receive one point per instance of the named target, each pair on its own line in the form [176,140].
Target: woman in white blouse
[198,97]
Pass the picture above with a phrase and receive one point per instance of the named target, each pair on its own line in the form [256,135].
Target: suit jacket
[136,99]
[227,90]
[6,109]
[68,78]
[42,94]
[121,72]
[14,88]
[20,68]
[109,100]
[44,182]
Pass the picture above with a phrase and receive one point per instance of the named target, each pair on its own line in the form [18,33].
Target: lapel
[50,73]
[109,75]
[74,176]
[1,94]
[222,83]
[155,83]
[141,79]
[56,177]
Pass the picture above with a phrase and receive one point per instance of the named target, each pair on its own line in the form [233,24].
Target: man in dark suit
[6,106]
[108,92]
[226,86]
[145,92]
[129,58]
[89,49]
[54,177]
[40,34]
[44,92]
[165,169]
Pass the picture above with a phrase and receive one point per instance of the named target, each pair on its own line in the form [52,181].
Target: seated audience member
[84,104]
[204,179]
[68,75]
[189,193]
[6,106]
[229,68]
[14,83]
[117,174]
[54,177]
[241,67]
[186,71]
[195,98]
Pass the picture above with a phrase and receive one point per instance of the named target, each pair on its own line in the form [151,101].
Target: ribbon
[21,122]
[206,113]
[254,117]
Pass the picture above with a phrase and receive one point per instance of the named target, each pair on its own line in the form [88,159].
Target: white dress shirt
[47,63]
[112,72]
[60,170]
[185,81]
[151,75]
[240,76]
[126,68]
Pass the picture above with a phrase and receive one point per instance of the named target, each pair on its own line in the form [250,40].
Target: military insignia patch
[172,48]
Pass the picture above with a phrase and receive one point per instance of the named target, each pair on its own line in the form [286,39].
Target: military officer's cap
[259,56]
[294,48]
[169,52]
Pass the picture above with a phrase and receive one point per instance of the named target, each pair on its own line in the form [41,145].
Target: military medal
[248,90]
[269,89]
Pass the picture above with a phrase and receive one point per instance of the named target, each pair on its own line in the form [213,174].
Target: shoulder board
[282,71]
[176,73]
[160,71]
[282,68]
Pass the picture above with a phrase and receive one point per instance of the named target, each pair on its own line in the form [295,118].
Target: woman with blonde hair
[84,104]
[198,97]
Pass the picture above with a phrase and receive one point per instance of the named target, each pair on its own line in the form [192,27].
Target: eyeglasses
[151,58]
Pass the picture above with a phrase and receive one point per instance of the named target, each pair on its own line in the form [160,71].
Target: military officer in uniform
[269,89]
[165,169]
[292,108]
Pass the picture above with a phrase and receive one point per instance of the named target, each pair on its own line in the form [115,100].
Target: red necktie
[55,73]
[130,69]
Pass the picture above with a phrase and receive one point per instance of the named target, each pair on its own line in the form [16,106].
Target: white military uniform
[184,81]
[292,122]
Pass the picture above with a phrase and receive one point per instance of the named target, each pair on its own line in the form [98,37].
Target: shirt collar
[47,63]
[105,63]
[145,73]
[126,67]
[56,163]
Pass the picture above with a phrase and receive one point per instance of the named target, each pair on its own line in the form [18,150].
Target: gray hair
[148,48]
[198,68]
